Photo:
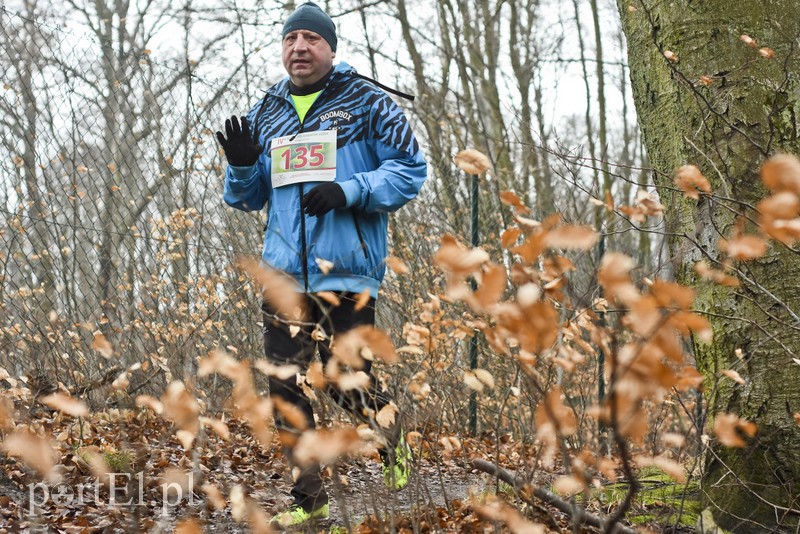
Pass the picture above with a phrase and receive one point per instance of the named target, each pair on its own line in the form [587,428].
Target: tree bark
[728,128]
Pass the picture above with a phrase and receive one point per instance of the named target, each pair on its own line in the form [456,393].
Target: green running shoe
[295,515]
[396,467]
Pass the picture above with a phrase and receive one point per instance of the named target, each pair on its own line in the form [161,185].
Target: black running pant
[283,348]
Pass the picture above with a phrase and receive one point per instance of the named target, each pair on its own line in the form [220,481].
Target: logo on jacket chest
[336,115]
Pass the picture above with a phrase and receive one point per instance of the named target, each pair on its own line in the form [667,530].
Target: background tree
[715,85]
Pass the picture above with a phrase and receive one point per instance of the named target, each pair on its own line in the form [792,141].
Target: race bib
[308,157]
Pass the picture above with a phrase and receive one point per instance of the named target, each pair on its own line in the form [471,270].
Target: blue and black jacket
[379,166]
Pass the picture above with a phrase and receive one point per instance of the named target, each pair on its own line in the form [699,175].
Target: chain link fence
[113,233]
[118,252]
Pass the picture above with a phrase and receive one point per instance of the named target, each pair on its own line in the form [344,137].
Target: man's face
[307,57]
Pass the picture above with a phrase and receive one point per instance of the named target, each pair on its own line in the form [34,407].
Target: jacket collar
[340,71]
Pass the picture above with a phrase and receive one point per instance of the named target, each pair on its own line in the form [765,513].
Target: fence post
[473,345]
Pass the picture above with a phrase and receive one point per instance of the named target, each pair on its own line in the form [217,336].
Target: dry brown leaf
[672,295]
[66,404]
[102,345]
[348,348]
[706,80]
[181,407]
[257,519]
[526,222]
[509,237]
[614,276]
[324,446]
[689,377]
[150,402]
[318,334]
[349,381]
[291,414]
[568,485]
[472,161]
[485,377]
[315,376]
[733,375]
[528,295]
[218,426]
[450,444]
[238,503]
[749,41]
[214,495]
[673,439]
[686,322]
[330,297]
[122,381]
[670,467]
[324,265]
[472,381]
[186,438]
[386,415]
[362,300]
[36,452]
[397,265]
[744,247]
[279,289]
[281,372]
[411,349]
[797,418]
[556,414]
[781,205]
[766,52]
[493,285]
[571,237]
[649,203]
[97,464]
[670,55]
[785,231]
[495,509]
[454,258]
[782,173]
[707,273]
[188,526]
[691,181]
[727,427]
[510,198]
[6,414]
[176,482]
[219,361]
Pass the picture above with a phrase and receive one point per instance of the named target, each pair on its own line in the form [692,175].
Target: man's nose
[300,43]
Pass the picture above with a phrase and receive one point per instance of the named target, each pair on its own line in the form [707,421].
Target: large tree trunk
[728,128]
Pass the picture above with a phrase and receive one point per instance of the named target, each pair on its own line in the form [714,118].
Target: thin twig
[523,489]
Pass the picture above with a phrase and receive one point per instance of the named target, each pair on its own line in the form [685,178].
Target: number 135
[301,156]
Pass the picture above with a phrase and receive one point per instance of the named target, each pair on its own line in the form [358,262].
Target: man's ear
[333,55]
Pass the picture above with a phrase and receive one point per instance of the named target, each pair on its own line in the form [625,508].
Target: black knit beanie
[310,17]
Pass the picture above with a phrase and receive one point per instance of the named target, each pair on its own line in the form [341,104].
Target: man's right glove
[241,148]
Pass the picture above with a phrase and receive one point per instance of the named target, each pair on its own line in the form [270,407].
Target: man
[340,155]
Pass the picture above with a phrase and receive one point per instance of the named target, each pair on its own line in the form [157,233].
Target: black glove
[241,148]
[323,198]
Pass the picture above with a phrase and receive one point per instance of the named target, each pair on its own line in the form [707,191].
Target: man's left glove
[241,147]
[323,198]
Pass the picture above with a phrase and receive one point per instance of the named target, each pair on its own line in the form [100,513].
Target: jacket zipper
[360,237]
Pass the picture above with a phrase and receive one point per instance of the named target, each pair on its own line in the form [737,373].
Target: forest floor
[444,494]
